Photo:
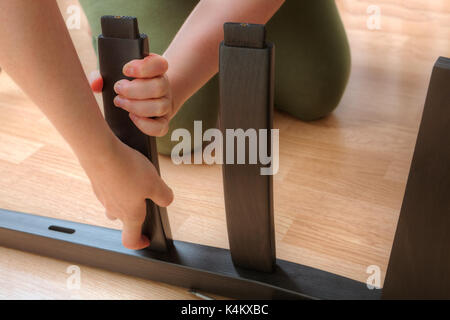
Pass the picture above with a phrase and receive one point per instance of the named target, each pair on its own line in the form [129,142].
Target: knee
[315,91]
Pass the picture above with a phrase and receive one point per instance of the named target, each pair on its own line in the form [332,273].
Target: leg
[312,58]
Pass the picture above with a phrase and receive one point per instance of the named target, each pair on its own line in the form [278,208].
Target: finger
[142,88]
[144,108]
[110,216]
[95,81]
[132,237]
[151,66]
[160,193]
[156,127]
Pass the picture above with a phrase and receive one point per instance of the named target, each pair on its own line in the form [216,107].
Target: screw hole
[61,229]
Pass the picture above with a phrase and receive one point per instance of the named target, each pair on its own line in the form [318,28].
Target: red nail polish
[97,85]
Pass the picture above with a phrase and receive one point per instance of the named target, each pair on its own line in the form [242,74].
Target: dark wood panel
[115,50]
[419,267]
[185,264]
[246,102]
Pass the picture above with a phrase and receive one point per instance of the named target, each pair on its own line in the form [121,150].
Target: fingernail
[118,101]
[129,71]
[117,87]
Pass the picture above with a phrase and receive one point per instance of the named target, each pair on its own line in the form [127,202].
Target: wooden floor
[337,195]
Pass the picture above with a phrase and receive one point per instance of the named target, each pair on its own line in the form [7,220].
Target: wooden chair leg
[120,43]
[246,99]
[419,267]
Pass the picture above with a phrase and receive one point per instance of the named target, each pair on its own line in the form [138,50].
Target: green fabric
[312,55]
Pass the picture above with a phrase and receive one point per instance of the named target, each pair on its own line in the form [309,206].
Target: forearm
[194,52]
[37,52]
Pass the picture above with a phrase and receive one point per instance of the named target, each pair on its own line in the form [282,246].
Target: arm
[193,54]
[42,61]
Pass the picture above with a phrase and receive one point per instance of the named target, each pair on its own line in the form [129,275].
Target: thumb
[132,237]
[96,81]
[160,194]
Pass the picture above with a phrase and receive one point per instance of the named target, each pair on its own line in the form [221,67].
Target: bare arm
[36,51]
[194,52]
[43,62]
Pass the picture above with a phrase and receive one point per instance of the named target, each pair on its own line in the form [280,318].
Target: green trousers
[311,52]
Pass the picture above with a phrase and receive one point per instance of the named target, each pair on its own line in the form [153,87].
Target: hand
[147,98]
[122,179]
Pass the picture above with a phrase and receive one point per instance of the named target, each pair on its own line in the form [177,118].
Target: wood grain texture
[420,260]
[337,195]
[246,104]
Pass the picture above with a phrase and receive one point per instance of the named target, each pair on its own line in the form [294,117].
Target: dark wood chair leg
[419,267]
[120,43]
[246,99]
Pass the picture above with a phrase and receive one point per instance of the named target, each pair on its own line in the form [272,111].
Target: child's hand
[122,179]
[147,98]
